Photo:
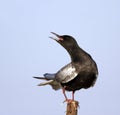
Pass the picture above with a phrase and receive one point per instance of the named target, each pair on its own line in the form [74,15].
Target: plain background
[26,51]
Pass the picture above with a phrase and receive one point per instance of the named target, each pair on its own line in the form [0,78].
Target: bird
[80,73]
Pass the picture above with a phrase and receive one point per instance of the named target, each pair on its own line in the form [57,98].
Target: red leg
[66,99]
[73,95]
[64,94]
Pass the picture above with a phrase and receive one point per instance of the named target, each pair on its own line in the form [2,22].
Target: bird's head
[66,41]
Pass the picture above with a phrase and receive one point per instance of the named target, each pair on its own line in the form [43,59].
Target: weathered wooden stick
[72,108]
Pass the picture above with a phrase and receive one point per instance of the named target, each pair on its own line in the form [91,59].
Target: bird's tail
[49,76]
[39,77]
[49,80]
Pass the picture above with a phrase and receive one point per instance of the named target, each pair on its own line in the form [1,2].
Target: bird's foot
[68,100]
[72,103]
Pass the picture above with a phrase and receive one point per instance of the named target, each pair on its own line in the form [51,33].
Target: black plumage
[80,73]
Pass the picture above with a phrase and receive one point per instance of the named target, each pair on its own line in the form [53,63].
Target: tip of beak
[55,34]
[59,38]
[53,38]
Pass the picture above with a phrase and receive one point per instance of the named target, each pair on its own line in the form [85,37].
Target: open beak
[59,38]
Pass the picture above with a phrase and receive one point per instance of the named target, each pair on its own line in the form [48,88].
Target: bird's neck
[76,54]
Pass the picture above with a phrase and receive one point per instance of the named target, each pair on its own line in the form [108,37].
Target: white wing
[66,74]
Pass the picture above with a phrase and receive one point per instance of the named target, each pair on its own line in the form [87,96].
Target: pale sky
[27,51]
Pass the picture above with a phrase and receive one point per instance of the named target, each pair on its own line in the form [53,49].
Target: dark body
[80,73]
[86,70]
[85,67]
[82,80]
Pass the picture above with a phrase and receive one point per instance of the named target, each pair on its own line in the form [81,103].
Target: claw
[68,100]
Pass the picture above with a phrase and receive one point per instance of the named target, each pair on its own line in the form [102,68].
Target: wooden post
[72,108]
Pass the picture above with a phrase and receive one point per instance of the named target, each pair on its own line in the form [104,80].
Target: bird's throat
[76,54]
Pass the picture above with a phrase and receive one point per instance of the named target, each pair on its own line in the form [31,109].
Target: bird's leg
[64,94]
[73,95]
[66,99]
